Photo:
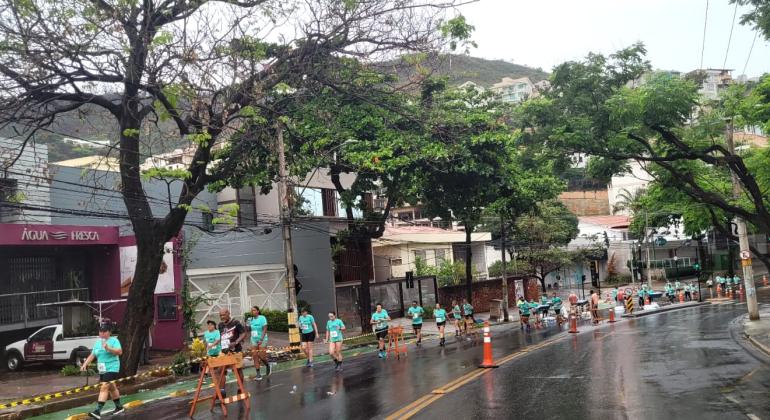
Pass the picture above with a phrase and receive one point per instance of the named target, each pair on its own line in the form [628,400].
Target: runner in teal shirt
[380,320]
[334,329]
[212,337]
[258,327]
[415,312]
[307,328]
[306,323]
[441,316]
[106,352]
[456,317]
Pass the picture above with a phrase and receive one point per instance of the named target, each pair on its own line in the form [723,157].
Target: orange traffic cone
[612,315]
[573,324]
[488,362]
[681,297]
[646,301]
[719,290]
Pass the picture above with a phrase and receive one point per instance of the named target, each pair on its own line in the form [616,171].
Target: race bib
[225,343]
[255,334]
[304,326]
[415,315]
[439,319]
[101,367]
[333,334]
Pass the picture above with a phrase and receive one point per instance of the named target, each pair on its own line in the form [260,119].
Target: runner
[307,328]
[334,329]
[556,305]
[416,312]
[524,314]
[467,314]
[456,317]
[615,294]
[640,294]
[594,306]
[258,330]
[107,353]
[441,316]
[380,320]
[211,337]
[231,335]
[687,292]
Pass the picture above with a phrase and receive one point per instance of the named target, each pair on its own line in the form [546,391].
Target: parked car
[48,344]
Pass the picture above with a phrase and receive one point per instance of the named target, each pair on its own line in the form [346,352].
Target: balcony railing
[20,310]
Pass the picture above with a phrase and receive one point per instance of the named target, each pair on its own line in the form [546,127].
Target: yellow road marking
[418,405]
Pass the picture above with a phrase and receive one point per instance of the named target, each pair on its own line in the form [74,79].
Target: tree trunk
[468,265]
[140,307]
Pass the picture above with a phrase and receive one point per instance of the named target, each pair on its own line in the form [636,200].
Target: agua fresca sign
[45,235]
[28,234]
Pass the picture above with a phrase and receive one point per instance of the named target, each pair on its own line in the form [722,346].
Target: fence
[20,310]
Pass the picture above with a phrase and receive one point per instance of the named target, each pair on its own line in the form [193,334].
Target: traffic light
[583,278]
[410,280]
[696,266]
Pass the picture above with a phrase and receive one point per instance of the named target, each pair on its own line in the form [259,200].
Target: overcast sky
[544,33]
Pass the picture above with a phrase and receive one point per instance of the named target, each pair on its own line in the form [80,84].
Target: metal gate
[237,289]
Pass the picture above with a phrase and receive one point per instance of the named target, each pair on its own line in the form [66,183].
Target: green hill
[462,68]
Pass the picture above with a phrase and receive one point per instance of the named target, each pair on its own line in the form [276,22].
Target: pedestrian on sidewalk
[456,317]
[556,305]
[594,306]
[258,331]
[440,315]
[308,329]
[614,294]
[688,292]
[334,329]
[380,320]
[416,312]
[641,294]
[106,351]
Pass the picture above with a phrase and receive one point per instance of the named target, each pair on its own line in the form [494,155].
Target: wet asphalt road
[676,365]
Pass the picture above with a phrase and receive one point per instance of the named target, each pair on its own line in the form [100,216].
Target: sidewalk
[758,332]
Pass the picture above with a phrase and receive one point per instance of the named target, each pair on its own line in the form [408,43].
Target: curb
[664,309]
[761,347]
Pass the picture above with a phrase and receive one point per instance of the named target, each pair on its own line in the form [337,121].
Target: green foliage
[758,17]
[166,174]
[277,320]
[458,30]
[181,365]
[72,370]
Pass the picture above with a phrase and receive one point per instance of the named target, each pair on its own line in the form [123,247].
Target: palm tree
[629,201]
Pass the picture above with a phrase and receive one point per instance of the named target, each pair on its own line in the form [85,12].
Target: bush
[181,364]
[276,320]
[70,370]
[428,313]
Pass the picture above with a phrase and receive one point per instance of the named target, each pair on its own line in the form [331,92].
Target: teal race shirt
[556,302]
[467,309]
[211,337]
[306,323]
[380,319]
[335,330]
[416,312]
[440,315]
[106,362]
[256,325]
[524,308]
[456,312]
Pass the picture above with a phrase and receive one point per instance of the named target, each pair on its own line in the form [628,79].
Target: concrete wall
[586,203]
[631,182]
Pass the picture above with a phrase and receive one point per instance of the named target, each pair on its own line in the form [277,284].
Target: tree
[198,70]
[593,108]
[541,237]
[759,16]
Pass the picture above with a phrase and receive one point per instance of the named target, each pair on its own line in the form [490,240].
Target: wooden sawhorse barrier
[396,341]
[218,367]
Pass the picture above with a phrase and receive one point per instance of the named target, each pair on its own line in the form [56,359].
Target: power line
[703,43]
[745,65]
[730,38]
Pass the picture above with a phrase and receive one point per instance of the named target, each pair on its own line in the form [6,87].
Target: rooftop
[610,222]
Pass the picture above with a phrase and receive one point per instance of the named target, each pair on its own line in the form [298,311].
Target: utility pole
[505,272]
[283,197]
[743,237]
[649,239]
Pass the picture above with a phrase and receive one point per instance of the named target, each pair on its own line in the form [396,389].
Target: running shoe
[118,410]
[95,415]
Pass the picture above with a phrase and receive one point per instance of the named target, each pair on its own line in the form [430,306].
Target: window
[440,255]
[357,213]
[312,202]
[419,253]
[167,308]
[43,335]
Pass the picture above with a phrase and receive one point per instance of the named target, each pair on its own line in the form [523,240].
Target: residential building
[626,186]
[713,81]
[99,163]
[515,90]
